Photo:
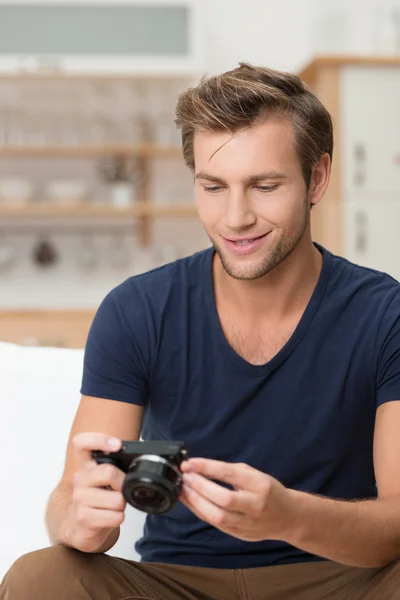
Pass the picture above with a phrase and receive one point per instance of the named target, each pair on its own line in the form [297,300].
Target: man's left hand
[258,508]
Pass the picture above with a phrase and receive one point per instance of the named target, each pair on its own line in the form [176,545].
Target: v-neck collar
[295,338]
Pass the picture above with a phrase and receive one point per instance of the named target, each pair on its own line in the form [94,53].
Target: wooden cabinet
[66,329]
[370,124]
[359,218]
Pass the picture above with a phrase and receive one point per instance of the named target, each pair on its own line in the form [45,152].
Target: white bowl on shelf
[16,190]
[66,191]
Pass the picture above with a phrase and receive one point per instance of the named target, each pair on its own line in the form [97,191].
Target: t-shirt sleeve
[388,344]
[116,354]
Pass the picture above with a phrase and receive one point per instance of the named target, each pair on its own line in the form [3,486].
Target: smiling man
[277,362]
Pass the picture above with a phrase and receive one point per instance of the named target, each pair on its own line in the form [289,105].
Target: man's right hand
[95,513]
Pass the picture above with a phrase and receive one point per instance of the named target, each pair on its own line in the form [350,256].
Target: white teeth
[242,242]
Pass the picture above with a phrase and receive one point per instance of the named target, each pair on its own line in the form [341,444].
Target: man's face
[251,196]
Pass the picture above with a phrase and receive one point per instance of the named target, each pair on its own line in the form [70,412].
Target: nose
[239,213]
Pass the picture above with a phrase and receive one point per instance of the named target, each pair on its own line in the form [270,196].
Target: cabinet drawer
[68,329]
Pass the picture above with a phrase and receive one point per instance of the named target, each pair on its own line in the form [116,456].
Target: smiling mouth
[244,242]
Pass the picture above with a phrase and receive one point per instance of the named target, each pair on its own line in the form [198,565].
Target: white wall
[284,34]
[267,32]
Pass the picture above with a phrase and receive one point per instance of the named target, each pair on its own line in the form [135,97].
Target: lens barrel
[152,484]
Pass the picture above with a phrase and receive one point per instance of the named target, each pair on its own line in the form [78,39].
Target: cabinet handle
[361,237]
[360,152]
[360,155]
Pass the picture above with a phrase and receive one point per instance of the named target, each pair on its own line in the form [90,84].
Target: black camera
[153,480]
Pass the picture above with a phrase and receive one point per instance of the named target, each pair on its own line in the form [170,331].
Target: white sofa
[39,394]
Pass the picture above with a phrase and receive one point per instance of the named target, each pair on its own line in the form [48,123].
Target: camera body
[153,480]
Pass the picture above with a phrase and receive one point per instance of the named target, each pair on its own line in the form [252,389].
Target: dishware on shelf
[66,191]
[112,171]
[121,194]
[16,190]
[111,168]
[124,176]
[45,253]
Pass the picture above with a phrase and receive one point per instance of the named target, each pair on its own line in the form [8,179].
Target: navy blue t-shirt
[306,417]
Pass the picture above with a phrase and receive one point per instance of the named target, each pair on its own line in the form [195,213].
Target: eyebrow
[252,179]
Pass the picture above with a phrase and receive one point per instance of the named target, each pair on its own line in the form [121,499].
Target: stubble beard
[272,259]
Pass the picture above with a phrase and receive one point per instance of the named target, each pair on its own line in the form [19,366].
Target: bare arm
[118,419]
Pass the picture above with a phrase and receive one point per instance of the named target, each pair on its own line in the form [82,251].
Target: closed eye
[212,188]
[267,188]
[262,188]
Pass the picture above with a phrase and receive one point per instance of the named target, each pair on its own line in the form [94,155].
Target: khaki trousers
[60,573]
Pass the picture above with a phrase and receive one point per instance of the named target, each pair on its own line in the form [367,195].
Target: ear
[320,178]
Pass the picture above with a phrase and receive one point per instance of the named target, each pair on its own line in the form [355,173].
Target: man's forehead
[263,147]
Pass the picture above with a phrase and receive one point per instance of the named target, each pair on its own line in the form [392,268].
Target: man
[276,362]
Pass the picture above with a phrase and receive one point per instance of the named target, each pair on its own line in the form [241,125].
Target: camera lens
[148,496]
[152,484]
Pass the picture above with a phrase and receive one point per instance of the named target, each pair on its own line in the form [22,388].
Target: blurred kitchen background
[93,187]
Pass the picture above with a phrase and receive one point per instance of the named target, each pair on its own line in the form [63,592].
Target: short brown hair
[248,94]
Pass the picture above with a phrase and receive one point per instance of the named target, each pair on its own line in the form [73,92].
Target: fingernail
[113,443]
[187,478]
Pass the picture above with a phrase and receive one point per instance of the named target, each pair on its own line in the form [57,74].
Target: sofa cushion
[39,395]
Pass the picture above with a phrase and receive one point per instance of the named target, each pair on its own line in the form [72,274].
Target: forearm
[360,533]
[63,530]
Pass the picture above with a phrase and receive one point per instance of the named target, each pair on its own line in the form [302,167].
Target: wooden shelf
[57,328]
[309,71]
[97,211]
[146,151]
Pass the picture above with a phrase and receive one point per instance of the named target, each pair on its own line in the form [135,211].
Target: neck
[286,289]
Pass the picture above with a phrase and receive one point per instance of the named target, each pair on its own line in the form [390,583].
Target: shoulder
[373,289]
[132,315]
[365,301]
[152,290]
[181,273]
[362,308]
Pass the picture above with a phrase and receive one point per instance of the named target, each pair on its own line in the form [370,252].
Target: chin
[243,273]
[262,262]
[245,269]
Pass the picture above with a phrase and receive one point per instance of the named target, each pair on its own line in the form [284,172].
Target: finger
[106,475]
[100,476]
[97,498]
[209,512]
[226,499]
[97,518]
[238,475]
[84,443]
[185,499]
